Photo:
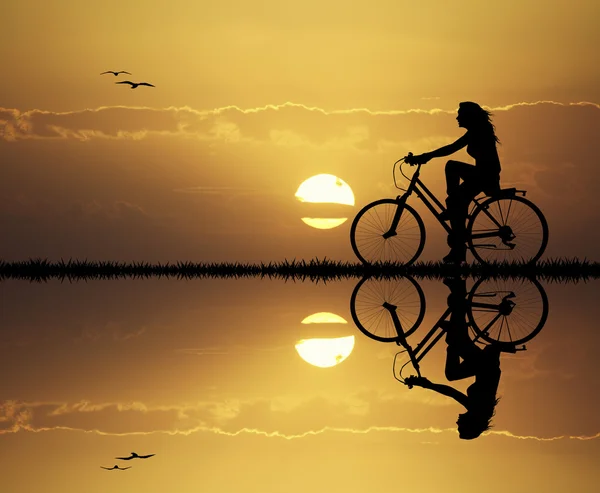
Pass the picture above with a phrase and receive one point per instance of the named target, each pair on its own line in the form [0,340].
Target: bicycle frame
[418,187]
[429,199]
[431,338]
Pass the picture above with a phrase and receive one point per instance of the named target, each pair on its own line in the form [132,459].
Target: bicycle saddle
[502,192]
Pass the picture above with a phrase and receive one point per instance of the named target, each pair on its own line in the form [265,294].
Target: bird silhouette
[135,456]
[115,468]
[115,73]
[134,84]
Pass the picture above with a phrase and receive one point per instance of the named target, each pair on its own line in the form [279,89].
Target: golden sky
[251,99]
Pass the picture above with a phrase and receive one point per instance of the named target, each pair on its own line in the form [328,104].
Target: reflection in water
[325,353]
[324,318]
[499,315]
[204,373]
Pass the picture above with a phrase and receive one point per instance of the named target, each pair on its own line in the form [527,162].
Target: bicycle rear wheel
[374,320]
[507,312]
[507,229]
[374,220]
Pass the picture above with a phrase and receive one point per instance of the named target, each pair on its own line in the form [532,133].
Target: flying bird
[134,84]
[115,467]
[135,456]
[115,73]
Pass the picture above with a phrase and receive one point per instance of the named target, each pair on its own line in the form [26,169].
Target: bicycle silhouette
[503,226]
[503,313]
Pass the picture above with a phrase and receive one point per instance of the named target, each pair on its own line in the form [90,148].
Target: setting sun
[325,189]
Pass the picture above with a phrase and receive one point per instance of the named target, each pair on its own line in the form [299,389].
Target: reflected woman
[483,364]
[480,140]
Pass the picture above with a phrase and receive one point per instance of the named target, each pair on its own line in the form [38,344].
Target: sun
[325,353]
[325,189]
[324,318]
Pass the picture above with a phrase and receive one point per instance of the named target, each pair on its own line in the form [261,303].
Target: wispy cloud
[217,351]
[21,417]
[122,122]
[219,190]
[306,434]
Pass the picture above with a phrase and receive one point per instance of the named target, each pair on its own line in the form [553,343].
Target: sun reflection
[324,318]
[325,353]
[324,222]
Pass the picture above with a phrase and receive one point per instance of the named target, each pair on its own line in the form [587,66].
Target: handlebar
[406,159]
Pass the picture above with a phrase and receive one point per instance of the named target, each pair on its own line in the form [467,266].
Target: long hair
[479,424]
[480,118]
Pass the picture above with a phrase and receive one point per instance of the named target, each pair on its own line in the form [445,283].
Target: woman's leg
[459,343]
[460,346]
[456,171]
[460,196]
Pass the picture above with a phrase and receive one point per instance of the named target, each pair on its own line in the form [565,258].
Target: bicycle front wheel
[369,228]
[507,229]
[369,312]
[507,312]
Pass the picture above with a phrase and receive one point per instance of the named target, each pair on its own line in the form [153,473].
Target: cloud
[118,210]
[289,124]
[222,350]
[136,418]
[115,331]
[221,191]
[286,415]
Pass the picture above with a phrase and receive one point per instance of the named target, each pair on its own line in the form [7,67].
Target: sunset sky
[252,99]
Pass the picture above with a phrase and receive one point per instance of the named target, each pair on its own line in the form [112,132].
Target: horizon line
[41,270]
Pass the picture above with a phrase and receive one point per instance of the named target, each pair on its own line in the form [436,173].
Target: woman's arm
[449,391]
[439,388]
[449,149]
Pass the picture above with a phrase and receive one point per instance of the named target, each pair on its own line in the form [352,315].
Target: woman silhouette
[480,140]
[484,364]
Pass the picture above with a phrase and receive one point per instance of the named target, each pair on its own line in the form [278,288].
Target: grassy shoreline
[560,270]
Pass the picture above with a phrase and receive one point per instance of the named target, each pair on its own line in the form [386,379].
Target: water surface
[205,374]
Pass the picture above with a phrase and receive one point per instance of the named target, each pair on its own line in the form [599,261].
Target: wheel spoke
[523,235]
[372,222]
[374,320]
[521,322]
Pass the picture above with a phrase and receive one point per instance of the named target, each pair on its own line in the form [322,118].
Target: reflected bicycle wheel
[374,220]
[374,320]
[509,228]
[507,311]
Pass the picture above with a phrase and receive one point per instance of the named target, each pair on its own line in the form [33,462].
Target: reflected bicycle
[505,313]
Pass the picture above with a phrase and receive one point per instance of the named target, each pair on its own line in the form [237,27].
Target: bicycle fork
[395,220]
[401,340]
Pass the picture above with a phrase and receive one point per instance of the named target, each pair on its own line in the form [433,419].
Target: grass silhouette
[41,270]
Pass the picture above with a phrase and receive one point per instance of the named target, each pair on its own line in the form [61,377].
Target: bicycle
[501,226]
[493,305]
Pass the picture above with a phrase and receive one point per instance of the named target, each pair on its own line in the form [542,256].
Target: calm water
[205,375]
